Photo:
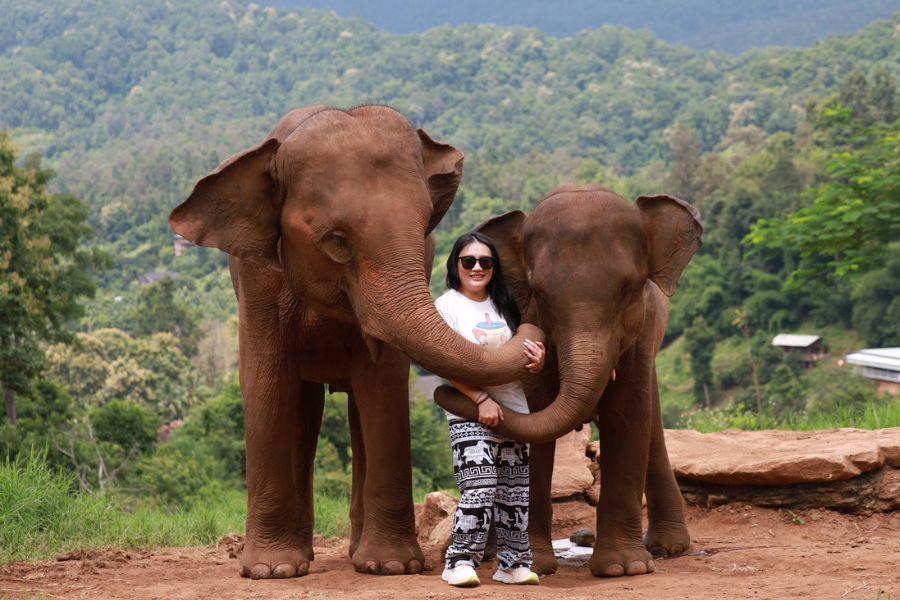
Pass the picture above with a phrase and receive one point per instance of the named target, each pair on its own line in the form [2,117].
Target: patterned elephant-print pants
[492,476]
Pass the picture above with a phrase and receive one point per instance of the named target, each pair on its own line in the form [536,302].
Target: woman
[491,470]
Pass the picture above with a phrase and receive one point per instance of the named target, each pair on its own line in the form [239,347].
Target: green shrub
[126,424]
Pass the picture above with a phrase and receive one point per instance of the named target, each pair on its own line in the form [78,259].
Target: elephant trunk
[407,319]
[585,366]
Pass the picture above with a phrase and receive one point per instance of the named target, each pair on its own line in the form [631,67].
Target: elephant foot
[274,562]
[545,562]
[667,538]
[609,561]
[394,557]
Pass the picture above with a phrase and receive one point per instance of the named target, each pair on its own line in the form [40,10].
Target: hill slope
[724,25]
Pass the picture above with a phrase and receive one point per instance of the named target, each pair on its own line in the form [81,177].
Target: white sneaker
[517,576]
[461,576]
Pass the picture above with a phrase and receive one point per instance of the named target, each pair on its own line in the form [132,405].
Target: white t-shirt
[479,322]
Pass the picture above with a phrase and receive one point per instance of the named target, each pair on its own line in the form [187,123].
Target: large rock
[434,519]
[572,477]
[776,458]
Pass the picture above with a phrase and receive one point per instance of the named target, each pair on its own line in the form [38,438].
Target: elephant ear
[235,209]
[506,232]
[673,233]
[443,172]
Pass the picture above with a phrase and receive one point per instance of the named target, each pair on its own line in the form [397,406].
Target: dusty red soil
[739,552]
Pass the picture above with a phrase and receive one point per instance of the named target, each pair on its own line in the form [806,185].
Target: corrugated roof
[793,340]
[879,358]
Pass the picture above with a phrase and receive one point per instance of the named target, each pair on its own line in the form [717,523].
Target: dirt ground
[739,552]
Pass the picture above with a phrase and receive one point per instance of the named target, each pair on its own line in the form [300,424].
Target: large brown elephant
[327,226]
[594,271]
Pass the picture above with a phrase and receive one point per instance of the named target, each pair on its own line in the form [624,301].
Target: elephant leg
[310,410]
[624,422]
[357,509]
[282,417]
[540,517]
[387,542]
[667,533]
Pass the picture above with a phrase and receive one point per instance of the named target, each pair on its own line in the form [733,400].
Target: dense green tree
[431,454]
[876,302]
[335,429]
[853,216]
[44,269]
[158,311]
[701,343]
[108,364]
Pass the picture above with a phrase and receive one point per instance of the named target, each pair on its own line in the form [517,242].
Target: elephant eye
[337,247]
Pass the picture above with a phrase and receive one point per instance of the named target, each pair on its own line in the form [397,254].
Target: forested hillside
[790,155]
[724,25]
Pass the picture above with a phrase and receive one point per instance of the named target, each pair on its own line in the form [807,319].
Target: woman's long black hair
[497,289]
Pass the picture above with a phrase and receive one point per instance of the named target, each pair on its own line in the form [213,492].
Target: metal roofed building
[810,348]
[880,364]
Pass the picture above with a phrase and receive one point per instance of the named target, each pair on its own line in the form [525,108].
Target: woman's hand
[535,353]
[490,413]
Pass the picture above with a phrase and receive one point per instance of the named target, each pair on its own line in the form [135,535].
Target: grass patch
[876,414]
[43,517]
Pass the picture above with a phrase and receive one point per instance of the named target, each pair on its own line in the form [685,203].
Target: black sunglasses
[468,262]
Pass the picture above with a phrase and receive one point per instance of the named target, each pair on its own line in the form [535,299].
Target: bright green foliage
[852,217]
[44,269]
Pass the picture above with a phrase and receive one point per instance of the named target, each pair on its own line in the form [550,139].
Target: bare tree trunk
[10,397]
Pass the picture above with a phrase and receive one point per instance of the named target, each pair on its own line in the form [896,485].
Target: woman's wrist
[480,397]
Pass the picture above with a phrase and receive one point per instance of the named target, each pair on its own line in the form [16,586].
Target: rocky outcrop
[434,519]
[780,457]
[852,470]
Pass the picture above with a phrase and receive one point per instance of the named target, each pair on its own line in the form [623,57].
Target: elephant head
[588,266]
[342,203]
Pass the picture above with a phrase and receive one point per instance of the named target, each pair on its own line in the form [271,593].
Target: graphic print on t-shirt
[490,333]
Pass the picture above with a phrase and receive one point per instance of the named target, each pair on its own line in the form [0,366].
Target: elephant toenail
[303,569]
[636,567]
[393,567]
[284,570]
[260,571]
[371,567]
[614,571]
[414,567]
[651,566]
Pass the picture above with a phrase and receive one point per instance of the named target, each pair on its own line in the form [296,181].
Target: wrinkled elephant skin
[327,223]
[594,271]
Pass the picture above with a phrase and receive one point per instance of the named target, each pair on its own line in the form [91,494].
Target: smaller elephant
[466,523]
[595,271]
[479,453]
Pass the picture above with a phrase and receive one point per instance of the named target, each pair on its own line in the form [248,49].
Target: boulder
[434,519]
[776,458]
[572,477]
